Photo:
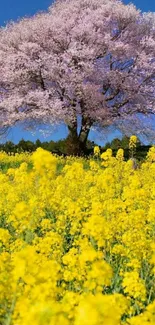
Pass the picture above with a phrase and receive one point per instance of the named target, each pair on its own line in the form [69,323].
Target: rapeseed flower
[77,243]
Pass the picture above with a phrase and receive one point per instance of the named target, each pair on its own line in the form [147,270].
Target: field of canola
[77,240]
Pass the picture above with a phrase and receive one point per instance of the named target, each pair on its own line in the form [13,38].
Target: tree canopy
[82,59]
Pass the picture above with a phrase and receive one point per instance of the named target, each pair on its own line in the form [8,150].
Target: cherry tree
[86,60]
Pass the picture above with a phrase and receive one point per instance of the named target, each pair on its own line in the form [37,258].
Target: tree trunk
[77,143]
[84,133]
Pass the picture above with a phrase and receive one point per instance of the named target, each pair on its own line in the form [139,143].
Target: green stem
[9,317]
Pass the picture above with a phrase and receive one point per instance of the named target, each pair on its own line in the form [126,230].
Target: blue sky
[15,9]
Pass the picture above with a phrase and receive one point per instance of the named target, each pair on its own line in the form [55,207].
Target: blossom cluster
[81,58]
[77,240]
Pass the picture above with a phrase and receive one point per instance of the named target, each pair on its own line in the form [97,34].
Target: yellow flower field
[77,240]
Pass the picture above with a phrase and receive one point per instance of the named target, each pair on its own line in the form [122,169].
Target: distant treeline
[60,147]
[140,153]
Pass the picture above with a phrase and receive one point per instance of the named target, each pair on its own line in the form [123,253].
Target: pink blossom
[82,57]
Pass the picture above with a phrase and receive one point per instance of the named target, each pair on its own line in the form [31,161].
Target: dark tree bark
[77,143]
